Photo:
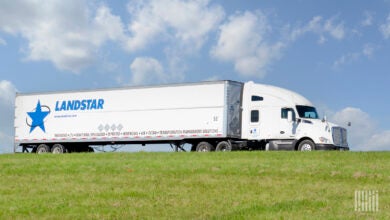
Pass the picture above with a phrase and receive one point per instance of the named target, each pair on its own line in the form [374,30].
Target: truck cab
[285,120]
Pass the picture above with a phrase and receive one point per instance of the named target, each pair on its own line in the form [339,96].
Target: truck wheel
[58,149]
[306,145]
[43,148]
[204,147]
[224,146]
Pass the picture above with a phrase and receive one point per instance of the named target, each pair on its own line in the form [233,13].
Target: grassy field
[233,185]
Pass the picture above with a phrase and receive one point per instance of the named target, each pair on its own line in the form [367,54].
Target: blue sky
[335,53]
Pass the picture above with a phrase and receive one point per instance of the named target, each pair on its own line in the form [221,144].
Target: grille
[340,136]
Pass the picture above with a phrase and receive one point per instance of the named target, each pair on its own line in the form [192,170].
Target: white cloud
[71,33]
[321,40]
[7,92]
[2,42]
[385,28]
[182,28]
[361,121]
[146,70]
[367,51]
[380,141]
[242,41]
[337,31]
[176,65]
[330,27]
[347,58]
[363,134]
[6,143]
[368,19]
[66,33]
[184,22]
[7,100]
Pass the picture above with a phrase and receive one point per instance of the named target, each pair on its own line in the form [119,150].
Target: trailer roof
[132,87]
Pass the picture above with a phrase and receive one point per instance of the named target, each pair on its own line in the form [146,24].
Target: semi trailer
[207,116]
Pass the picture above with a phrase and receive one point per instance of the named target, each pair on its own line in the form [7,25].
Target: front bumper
[331,147]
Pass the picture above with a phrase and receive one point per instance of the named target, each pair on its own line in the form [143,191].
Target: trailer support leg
[173,146]
[181,148]
[25,150]
[177,146]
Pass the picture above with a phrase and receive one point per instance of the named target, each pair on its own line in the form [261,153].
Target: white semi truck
[208,116]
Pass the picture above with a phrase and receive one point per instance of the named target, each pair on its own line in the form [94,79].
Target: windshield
[307,112]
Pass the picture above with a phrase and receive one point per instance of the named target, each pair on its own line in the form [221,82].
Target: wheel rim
[56,150]
[204,149]
[41,151]
[306,147]
[223,148]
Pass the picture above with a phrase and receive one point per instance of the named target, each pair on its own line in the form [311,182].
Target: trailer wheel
[58,149]
[204,147]
[224,146]
[43,148]
[306,145]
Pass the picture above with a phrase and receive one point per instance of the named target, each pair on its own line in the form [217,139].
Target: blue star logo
[38,117]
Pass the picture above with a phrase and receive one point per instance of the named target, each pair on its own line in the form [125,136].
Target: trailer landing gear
[177,146]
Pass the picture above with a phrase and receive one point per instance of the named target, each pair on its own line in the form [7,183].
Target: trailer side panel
[173,112]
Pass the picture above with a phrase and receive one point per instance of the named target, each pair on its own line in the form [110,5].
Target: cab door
[287,124]
[254,123]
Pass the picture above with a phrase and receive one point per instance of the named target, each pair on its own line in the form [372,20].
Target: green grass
[234,185]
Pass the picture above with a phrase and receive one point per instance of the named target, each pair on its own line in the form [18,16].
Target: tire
[42,149]
[204,147]
[224,146]
[306,145]
[58,149]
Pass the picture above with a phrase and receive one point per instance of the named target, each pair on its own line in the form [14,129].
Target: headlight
[324,140]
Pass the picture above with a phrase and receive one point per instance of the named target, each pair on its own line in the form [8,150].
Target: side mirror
[289,116]
[324,119]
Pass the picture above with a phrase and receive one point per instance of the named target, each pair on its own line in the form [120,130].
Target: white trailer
[221,116]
